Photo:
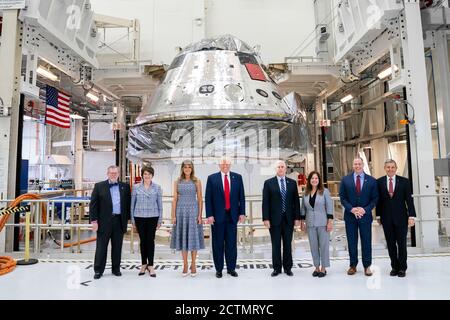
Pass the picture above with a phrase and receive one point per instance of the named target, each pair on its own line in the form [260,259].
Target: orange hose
[28,196]
[7,264]
[66,245]
[17,201]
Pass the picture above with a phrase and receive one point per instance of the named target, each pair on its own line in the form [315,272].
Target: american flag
[57,111]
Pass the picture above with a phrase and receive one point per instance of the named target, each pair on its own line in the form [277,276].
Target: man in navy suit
[395,211]
[281,211]
[225,207]
[359,195]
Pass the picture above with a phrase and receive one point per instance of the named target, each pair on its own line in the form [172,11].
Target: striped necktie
[283,196]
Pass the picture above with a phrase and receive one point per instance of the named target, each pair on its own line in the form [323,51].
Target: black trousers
[147,228]
[396,243]
[115,234]
[278,233]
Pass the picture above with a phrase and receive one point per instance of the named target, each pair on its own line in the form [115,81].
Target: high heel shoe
[193,274]
[184,274]
[141,273]
[153,275]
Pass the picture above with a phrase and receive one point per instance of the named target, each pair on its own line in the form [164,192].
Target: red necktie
[227,193]
[358,185]
[391,188]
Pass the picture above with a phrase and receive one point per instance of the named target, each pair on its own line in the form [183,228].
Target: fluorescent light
[347,98]
[399,142]
[76,117]
[92,96]
[386,73]
[46,73]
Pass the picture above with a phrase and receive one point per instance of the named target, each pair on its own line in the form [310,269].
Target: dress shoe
[232,273]
[219,274]
[368,272]
[117,273]
[289,273]
[401,273]
[393,273]
[315,273]
[185,271]
[97,276]
[275,273]
[322,274]
[151,272]
[141,273]
[351,271]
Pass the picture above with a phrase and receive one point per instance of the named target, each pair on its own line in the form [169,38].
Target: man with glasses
[109,212]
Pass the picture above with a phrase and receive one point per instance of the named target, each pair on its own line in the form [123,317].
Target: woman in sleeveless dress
[187,232]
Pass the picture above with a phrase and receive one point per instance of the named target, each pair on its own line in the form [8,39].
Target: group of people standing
[113,204]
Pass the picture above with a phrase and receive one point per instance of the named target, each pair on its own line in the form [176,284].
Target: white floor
[428,277]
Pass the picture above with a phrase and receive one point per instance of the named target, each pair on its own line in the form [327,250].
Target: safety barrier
[45,220]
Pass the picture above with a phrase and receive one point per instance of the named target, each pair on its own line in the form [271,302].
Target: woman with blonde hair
[187,232]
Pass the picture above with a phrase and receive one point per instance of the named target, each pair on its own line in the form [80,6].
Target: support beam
[78,154]
[10,64]
[441,71]
[420,133]
[199,22]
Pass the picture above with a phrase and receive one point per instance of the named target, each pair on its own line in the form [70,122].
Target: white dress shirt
[393,182]
[279,182]
[223,180]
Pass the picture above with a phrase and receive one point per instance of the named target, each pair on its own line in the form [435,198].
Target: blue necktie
[283,196]
[113,184]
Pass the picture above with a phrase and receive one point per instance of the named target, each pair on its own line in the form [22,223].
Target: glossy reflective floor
[428,277]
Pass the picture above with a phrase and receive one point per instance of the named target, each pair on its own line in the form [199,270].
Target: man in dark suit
[281,211]
[395,211]
[109,212]
[359,195]
[225,207]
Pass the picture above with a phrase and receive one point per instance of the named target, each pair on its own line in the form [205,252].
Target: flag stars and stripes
[58,108]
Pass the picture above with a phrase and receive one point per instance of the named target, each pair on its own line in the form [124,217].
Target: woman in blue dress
[187,232]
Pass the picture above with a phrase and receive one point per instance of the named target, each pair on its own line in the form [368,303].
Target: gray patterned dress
[187,234]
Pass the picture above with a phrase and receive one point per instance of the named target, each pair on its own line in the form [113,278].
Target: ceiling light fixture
[92,96]
[347,98]
[46,73]
[386,73]
[76,117]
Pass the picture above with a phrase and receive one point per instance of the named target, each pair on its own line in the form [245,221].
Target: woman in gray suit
[317,210]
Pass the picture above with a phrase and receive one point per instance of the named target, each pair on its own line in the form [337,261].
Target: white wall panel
[278,26]
[96,164]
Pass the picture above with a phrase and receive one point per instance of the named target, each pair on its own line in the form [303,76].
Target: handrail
[78,210]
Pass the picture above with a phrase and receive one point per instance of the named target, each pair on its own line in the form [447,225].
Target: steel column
[10,64]
[420,133]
